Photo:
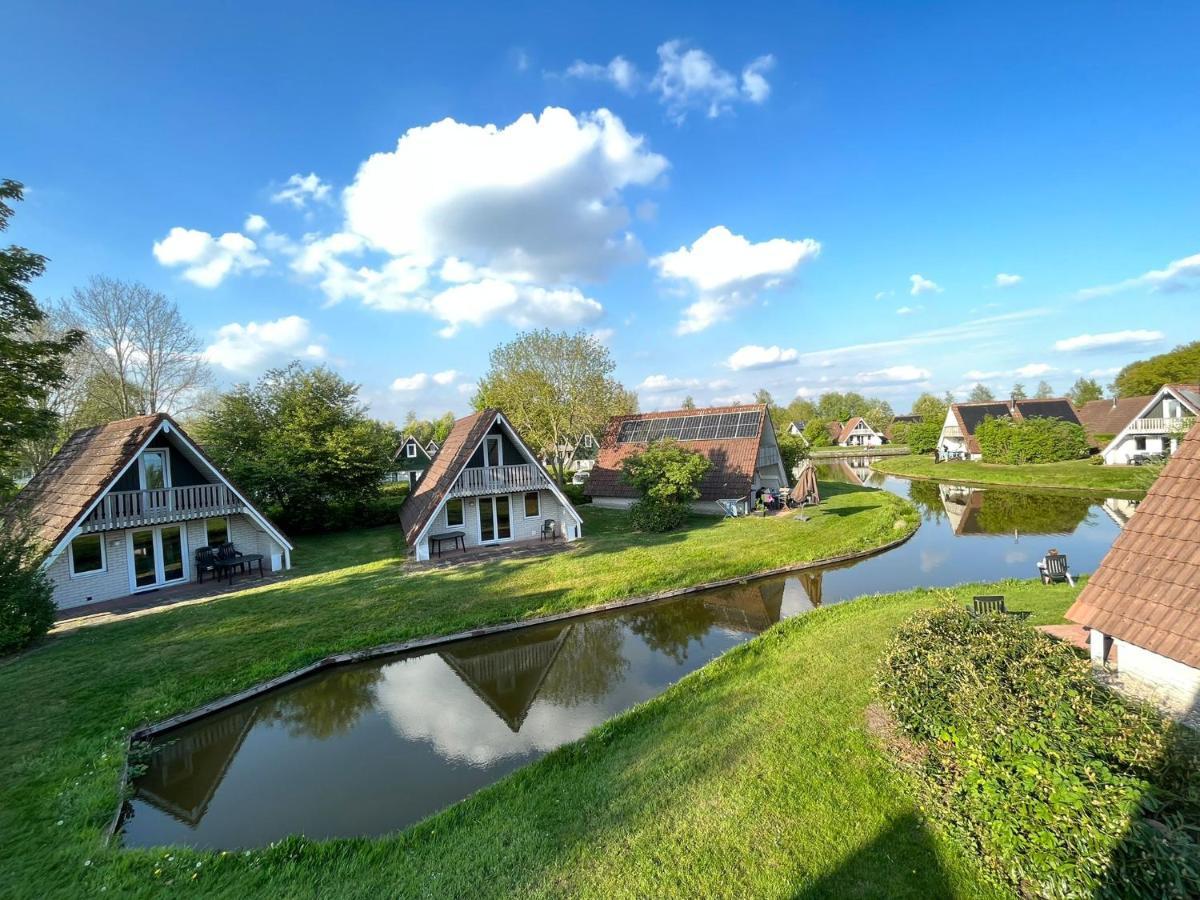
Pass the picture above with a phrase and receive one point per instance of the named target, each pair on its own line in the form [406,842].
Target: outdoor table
[455,537]
[244,561]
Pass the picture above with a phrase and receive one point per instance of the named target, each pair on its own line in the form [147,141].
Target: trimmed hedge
[1036,440]
[1063,788]
[922,437]
[382,509]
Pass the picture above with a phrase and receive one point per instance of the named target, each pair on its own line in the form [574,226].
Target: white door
[157,556]
[495,520]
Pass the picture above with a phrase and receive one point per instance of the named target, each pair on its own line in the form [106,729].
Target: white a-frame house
[485,487]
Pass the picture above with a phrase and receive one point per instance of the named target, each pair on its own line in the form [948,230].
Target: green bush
[26,594]
[649,514]
[382,509]
[1036,440]
[922,437]
[575,493]
[1062,788]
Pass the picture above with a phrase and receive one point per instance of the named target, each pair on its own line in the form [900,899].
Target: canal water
[378,746]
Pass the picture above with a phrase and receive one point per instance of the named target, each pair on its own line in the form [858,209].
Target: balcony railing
[129,509]
[952,431]
[498,480]
[1161,426]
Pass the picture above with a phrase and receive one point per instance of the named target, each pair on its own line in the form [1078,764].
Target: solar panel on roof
[713,426]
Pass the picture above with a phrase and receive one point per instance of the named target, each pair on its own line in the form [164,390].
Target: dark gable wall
[183,473]
[512,454]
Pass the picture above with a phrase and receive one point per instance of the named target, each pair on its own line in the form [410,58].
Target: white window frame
[524,505]
[228,529]
[462,507]
[487,439]
[103,557]
[412,450]
[159,573]
[166,454]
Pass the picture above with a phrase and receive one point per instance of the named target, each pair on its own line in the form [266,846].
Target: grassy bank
[67,704]
[1074,475]
[818,453]
[755,776]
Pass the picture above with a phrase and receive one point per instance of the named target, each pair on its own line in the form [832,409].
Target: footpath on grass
[1075,475]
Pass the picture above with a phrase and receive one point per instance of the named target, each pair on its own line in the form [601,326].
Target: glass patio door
[495,520]
[159,556]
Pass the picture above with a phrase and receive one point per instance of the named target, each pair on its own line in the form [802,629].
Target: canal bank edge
[1121,493]
[145,732]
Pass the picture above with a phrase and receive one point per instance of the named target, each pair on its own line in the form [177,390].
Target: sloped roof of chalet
[970,415]
[456,450]
[1189,393]
[908,419]
[734,460]
[59,495]
[835,431]
[1110,416]
[404,443]
[850,425]
[1147,588]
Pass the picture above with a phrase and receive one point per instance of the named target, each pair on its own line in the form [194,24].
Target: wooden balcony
[498,480]
[952,431]
[1161,426]
[132,509]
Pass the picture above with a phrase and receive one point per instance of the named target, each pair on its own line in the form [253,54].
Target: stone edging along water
[145,732]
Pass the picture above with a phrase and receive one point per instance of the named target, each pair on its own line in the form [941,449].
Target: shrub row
[1061,787]
[382,509]
[26,595]
[1036,440]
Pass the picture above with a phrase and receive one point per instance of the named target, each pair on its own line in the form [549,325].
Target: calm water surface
[375,747]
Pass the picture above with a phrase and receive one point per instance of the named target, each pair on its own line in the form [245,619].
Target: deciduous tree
[981,393]
[1085,390]
[1044,391]
[1146,376]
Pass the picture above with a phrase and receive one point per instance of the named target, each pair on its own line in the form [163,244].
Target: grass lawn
[67,704]
[1076,475]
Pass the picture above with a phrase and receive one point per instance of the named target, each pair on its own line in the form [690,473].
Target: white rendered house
[1158,426]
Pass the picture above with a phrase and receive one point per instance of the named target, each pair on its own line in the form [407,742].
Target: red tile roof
[1147,589]
[456,450]
[1110,416]
[849,427]
[734,460]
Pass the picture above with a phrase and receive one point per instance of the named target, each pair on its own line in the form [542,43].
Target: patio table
[456,538]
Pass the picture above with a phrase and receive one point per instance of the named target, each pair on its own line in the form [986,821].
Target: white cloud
[207,260]
[619,71]
[536,200]
[688,78]
[240,348]
[1033,370]
[255,224]
[655,384]
[1005,280]
[1132,338]
[753,356]
[894,375]
[922,285]
[880,295]
[422,380]
[1179,275]
[907,310]
[476,303]
[1104,373]
[300,189]
[729,271]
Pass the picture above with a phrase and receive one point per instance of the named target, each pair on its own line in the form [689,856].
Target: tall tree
[948,398]
[554,387]
[930,408]
[1085,390]
[140,345]
[426,430]
[689,402]
[1017,392]
[1146,376]
[32,362]
[1044,391]
[981,393]
[762,395]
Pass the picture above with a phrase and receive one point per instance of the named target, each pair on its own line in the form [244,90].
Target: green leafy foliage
[32,364]
[817,434]
[922,437]
[1146,376]
[981,393]
[1034,440]
[302,444]
[26,594]
[668,476]
[1085,390]
[930,408]
[791,450]
[1061,787]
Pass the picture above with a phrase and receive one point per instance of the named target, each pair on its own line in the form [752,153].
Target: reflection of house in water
[186,771]
[997,511]
[507,672]
[852,470]
[754,608]
[1119,510]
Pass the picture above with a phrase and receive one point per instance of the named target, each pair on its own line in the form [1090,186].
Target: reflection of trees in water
[927,497]
[589,663]
[1003,512]
[668,629]
[328,705]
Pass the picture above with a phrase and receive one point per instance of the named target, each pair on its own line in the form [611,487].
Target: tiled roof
[734,460]
[849,427]
[456,450]
[1110,416]
[970,415]
[1147,589]
[58,495]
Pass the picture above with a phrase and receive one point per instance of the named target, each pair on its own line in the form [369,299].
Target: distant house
[487,485]
[1144,599]
[123,507]
[432,448]
[1156,426]
[958,430]
[855,433]
[1104,419]
[795,429]
[739,441]
[410,461]
[578,454]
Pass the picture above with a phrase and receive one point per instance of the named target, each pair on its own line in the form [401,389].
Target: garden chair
[206,561]
[988,604]
[730,507]
[549,529]
[1053,569]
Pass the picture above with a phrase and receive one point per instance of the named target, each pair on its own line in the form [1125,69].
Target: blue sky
[798,196]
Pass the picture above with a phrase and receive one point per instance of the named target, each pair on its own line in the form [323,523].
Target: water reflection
[375,747]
